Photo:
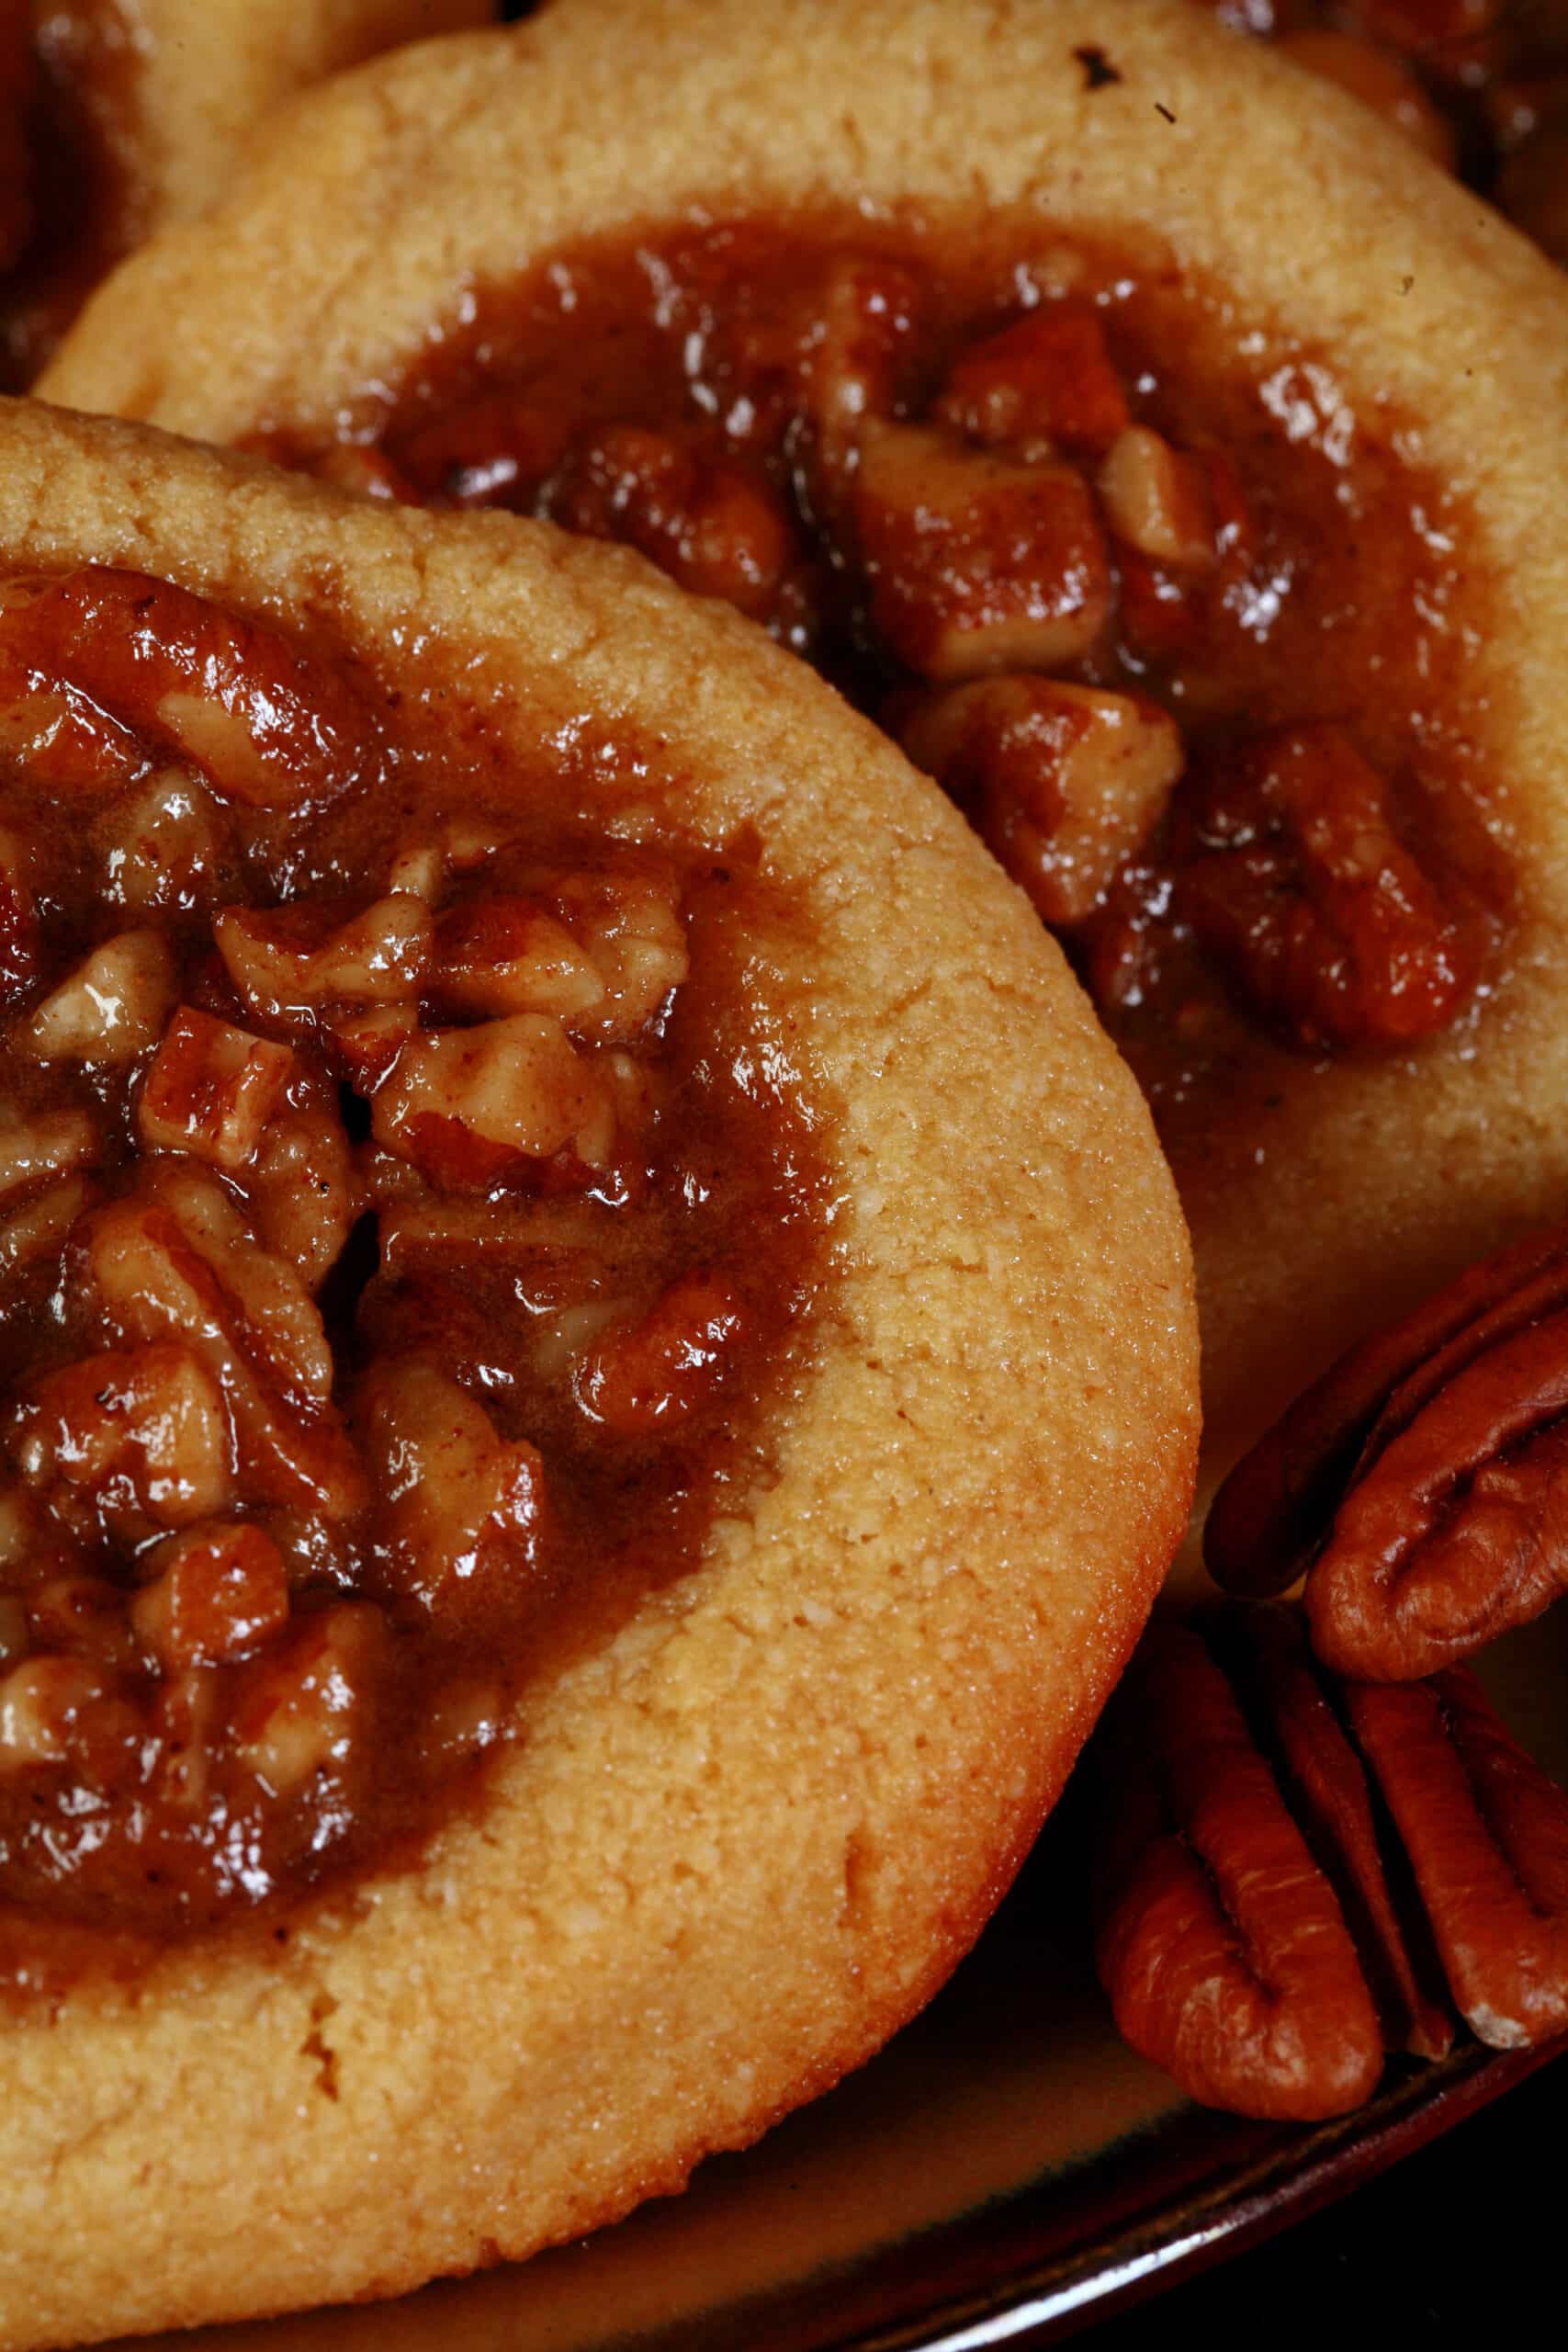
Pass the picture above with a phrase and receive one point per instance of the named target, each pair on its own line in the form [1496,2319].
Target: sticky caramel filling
[1188,636]
[409,1227]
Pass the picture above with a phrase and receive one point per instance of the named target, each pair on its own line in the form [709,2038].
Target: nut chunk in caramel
[390,1266]
[1053,518]
[1323,920]
[975,561]
[1063,782]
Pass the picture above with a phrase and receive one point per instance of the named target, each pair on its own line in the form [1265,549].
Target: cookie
[561,1535]
[136,113]
[1268,527]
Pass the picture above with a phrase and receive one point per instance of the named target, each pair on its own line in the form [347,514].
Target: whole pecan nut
[1486,1831]
[1265,1651]
[1423,1481]
[1218,1937]
[1291,1868]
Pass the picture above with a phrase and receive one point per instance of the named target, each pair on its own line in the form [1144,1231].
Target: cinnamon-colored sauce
[605,1331]
[649,388]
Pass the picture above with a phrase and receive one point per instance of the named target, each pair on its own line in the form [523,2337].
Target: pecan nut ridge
[1486,1831]
[1220,1941]
[1418,1480]
[1264,1649]
[1458,1529]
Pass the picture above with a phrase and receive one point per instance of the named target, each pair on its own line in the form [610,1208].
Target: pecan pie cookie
[1481,86]
[597,1377]
[122,117]
[1209,548]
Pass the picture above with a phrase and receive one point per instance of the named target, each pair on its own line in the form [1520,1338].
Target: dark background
[1466,2239]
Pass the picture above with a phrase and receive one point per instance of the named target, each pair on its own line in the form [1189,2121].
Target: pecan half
[1219,1939]
[1283,1855]
[1294,876]
[1265,1650]
[1422,1479]
[1487,1832]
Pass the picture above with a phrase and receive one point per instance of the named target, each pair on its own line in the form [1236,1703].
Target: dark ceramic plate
[1003,2174]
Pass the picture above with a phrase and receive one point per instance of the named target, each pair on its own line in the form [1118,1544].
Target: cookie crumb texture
[462,869]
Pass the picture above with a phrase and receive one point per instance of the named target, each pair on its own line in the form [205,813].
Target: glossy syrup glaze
[413,1219]
[1189,635]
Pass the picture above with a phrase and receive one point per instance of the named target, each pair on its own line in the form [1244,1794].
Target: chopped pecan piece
[36,1151]
[232,697]
[423,865]
[834,356]
[861,320]
[36,1233]
[165,847]
[465,1507]
[304,1187]
[1180,616]
[81,1616]
[1291,874]
[306,1706]
[211,1090]
[287,959]
[219,1592]
[1156,500]
[184,1718]
[111,1008]
[144,1434]
[1064,782]
[1047,378]
[975,561]
[66,1711]
[177,1259]
[33,1545]
[478,1107]
[506,954]
[282,1324]
[59,734]
[718,529]
[365,1043]
[665,1365]
[1419,1478]
[629,926]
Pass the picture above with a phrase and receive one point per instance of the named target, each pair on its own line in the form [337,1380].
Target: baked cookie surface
[748,1823]
[136,111]
[1325,1188]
